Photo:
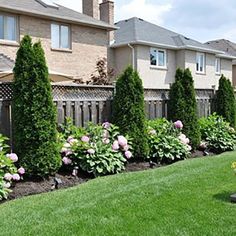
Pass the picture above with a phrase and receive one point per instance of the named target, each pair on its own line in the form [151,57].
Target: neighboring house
[228,47]
[157,52]
[72,41]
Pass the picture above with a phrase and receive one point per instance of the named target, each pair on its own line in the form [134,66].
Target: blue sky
[202,20]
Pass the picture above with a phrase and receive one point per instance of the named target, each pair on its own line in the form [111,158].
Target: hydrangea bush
[217,135]
[8,171]
[96,149]
[167,142]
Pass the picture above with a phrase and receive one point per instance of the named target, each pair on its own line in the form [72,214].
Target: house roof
[6,63]
[138,31]
[223,45]
[42,8]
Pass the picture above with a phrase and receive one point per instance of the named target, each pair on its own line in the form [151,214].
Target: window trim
[17,30]
[218,72]
[204,62]
[69,49]
[165,58]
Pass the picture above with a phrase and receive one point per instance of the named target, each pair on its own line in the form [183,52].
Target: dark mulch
[36,186]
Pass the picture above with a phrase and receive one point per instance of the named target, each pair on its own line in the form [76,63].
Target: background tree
[128,110]
[225,101]
[34,114]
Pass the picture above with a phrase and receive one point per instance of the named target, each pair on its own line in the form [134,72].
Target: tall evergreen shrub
[34,114]
[128,110]
[183,105]
[225,101]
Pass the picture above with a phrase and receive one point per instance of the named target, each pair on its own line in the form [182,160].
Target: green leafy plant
[183,106]
[96,149]
[128,111]
[217,134]
[34,114]
[225,101]
[166,142]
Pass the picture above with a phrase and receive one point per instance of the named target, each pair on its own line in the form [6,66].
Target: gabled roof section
[6,63]
[49,10]
[138,31]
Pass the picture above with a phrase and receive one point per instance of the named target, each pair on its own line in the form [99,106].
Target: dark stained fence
[85,103]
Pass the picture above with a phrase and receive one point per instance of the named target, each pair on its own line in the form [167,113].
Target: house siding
[88,44]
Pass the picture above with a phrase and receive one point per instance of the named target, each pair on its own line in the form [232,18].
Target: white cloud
[143,9]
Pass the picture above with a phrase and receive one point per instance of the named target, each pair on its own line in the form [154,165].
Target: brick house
[72,41]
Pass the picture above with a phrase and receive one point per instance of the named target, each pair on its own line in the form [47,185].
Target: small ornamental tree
[225,101]
[183,106]
[128,111]
[34,114]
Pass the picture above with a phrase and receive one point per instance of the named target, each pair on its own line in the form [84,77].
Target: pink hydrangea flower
[106,141]
[85,139]
[13,157]
[115,145]
[69,139]
[178,124]
[105,134]
[184,139]
[126,148]
[128,154]
[106,125]
[16,177]
[8,176]
[21,171]
[122,141]
[6,185]
[66,160]
[91,151]
[73,141]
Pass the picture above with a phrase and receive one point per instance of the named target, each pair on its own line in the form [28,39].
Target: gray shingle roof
[34,7]
[223,45]
[138,31]
[6,63]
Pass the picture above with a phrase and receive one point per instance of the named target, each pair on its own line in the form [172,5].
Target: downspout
[133,59]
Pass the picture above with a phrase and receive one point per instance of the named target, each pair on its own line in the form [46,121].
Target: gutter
[133,58]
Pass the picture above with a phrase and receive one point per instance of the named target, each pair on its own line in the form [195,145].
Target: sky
[202,20]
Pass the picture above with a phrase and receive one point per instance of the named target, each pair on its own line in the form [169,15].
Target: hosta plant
[96,149]
[8,171]
[167,142]
[217,134]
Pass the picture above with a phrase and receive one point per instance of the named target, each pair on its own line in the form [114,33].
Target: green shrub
[34,114]
[183,106]
[166,142]
[96,149]
[128,111]
[225,101]
[217,134]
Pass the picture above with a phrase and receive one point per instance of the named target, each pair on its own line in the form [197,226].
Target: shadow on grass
[224,197]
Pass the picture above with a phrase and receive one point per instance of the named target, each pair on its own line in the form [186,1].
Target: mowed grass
[188,198]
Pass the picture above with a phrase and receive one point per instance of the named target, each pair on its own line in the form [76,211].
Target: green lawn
[187,198]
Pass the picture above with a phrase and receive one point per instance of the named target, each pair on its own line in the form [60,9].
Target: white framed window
[8,27]
[217,66]
[60,36]
[200,62]
[158,57]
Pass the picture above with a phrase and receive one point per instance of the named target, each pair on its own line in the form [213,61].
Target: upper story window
[8,27]
[60,36]
[217,66]
[158,57]
[200,63]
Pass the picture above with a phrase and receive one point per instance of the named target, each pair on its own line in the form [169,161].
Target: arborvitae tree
[183,106]
[225,101]
[34,114]
[128,111]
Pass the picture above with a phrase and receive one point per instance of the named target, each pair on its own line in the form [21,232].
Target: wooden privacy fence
[85,103]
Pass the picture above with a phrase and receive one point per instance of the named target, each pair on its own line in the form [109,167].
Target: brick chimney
[107,14]
[91,8]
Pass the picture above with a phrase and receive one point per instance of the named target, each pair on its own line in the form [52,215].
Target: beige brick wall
[88,45]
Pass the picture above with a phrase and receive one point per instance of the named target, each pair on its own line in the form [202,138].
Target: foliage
[166,142]
[103,74]
[217,134]
[183,106]
[96,149]
[128,111]
[225,101]
[8,171]
[34,114]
